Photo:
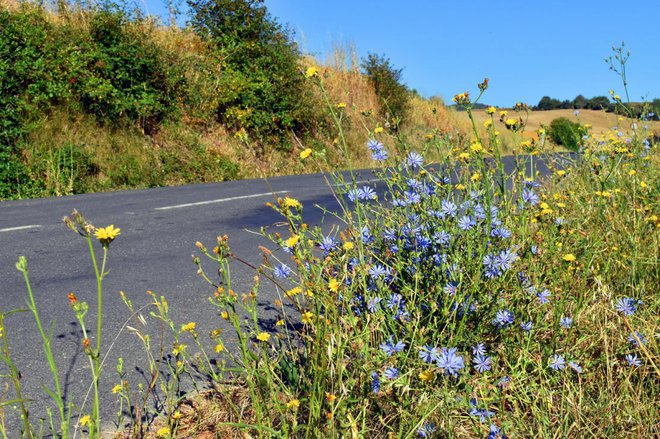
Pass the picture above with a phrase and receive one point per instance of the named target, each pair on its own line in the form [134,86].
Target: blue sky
[527,49]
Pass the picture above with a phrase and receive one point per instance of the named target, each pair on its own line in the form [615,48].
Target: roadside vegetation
[455,300]
[99,97]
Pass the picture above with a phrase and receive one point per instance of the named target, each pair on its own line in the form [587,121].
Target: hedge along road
[159,228]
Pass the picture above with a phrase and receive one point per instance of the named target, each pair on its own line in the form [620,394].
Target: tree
[548,103]
[387,84]
[579,102]
[263,89]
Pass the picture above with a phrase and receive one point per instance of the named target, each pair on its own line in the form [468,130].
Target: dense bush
[566,133]
[388,85]
[262,89]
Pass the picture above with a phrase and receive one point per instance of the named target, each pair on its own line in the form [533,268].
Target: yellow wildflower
[378,130]
[280,322]
[176,415]
[188,327]
[476,147]
[307,317]
[464,156]
[263,336]
[293,404]
[488,123]
[292,202]
[491,110]
[84,420]
[293,292]
[306,153]
[460,186]
[632,172]
[476,177]
[643,184]
[292,241]
[426,375]
[561,173]
[106,234]
[179,348]
[219,348]
[333,285]
[311,71]
[163,432]
[330,397]
[224,315]
[568,257]
[348,246]
[341,105]
[117,388]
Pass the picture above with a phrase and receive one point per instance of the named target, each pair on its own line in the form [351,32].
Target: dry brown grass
[600,122]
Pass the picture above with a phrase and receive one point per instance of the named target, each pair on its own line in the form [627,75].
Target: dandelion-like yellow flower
[503,113]
[293,404]
[189,327]
[84,420]
[378,130]
[488,123]
[341,105]
[476,147]
[107,234]
[263,336]
[163,432]
[561,173]
[333,285]
[280,322]
[293,292]
[292,241]
[348,246]
[311,71]
[307,317]
[292,202]
[491,110]
[219,348]
[464,156]
[568,257]
[460,186]
[117,388]
[426,375]
[476,177]
[306,153]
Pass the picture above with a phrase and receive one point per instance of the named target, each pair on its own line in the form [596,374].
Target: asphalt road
[158,230]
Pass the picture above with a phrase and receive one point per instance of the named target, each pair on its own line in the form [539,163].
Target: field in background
[600,121]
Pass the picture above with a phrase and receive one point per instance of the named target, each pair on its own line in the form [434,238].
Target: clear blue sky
[526,48]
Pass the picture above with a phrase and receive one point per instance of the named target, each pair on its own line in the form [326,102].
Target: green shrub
[262,89]
[566,133]
[387,83]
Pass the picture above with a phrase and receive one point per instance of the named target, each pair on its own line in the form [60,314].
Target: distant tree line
[650,110]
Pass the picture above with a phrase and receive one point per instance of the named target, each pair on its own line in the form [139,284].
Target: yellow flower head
[293,404]
[84,420]
[188,327]
[306,153]
[333,285]
[219,348]
[117,388]
[293,292]
[488,123]
[292,241]
[348,246]
[341,105]
[426,375]
[568,257]
[464,156]
[491,110]
[263,336]
[307,317]
[106,234]
[291,202]
[163,432]
[378,130]
[311,71]
[503,113]
[476,147]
